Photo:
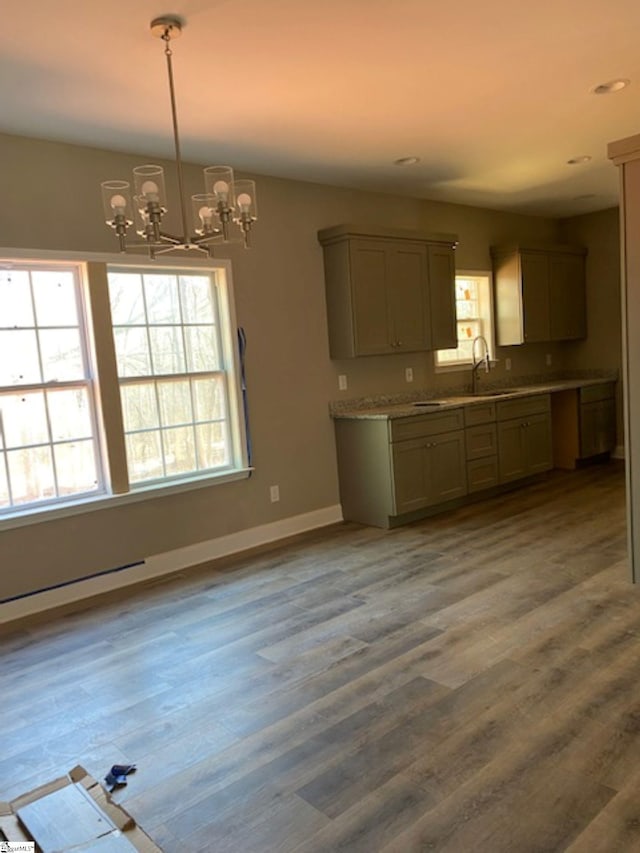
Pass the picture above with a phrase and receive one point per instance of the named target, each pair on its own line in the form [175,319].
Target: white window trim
[27,515]
[464,366]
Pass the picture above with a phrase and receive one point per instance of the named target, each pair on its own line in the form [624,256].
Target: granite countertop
[387,407]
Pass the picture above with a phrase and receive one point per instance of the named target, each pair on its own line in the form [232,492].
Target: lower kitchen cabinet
[428,471]
[481,445]
[389,469]
[397,469]
[524,437]
[584,424]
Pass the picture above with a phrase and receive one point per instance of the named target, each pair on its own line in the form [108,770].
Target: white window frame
[108,412]
[485,317]
[46,386]
[223,372]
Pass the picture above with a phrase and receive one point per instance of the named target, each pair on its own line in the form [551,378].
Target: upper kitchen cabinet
[540,293]
[388,291]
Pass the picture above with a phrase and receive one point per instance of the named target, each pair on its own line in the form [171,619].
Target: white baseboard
[618,452]
[171,561]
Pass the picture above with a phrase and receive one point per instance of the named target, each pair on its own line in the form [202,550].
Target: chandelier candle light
[225,202]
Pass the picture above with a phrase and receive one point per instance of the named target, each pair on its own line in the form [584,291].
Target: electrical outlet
[507,364]
[342,382]
[408,374]
[274,493]
[548,359]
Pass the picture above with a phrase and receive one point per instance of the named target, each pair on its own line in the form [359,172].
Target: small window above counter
[388,290]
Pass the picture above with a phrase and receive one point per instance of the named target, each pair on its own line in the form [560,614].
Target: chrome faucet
[479,362]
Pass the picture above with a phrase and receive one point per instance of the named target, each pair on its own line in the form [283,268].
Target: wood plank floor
[470,682]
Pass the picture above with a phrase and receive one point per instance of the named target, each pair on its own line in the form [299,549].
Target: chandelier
[226,203]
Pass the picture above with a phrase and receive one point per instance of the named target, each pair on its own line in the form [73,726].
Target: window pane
[69,414]
[179,450]
[184,345]
[466,288]
[167,350]
[175,403]
[466,309]
[24,418]
[31,474]
[4,486]
[144,456]
[161,292]
[202,350]
[213,448]
[125,296]
[468,331]
[464,351]
[197,299]
[15,299]
[45,423]
[55,298]
[139,406]
[132,352]
[19,363]
[209,398]
[75,467]
[61,355]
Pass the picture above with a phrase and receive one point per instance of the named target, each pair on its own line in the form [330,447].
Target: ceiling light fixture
[224,202]
[579,161]
[406,161]
[611,87]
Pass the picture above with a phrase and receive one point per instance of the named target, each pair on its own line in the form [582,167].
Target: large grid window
[48,445]
[72,428]
[173,384]
[473,317]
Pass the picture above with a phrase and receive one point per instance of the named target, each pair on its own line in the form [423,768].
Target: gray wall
[51,200]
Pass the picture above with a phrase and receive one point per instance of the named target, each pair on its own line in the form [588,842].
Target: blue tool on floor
[117,776]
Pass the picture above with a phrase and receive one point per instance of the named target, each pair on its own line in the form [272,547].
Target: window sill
[458,367]
[28,517]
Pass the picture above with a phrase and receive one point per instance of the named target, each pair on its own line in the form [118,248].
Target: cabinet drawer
[425,425]
[594,393]
[481,441]
[479,413]
[522,407]
[482,473]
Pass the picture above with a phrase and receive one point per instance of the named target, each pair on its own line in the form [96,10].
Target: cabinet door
[567,297]
[447,467]
[371,315]
[597,428]
[411,487]
[535,296]
[442,297]
[407,297]
[512,455]
[539,446]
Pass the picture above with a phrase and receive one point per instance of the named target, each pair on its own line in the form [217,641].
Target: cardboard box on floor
[75,813]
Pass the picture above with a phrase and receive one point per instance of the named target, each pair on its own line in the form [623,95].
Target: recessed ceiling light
[578,161]
[406,161]
[611,87]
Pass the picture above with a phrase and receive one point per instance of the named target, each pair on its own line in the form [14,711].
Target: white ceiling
[494,97]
